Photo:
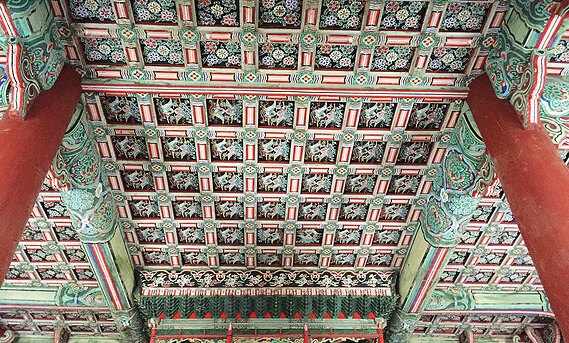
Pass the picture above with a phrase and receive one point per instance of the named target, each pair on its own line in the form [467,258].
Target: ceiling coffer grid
[270,181]
[49,253]
[330,42]
[491,254]
[45,321]
[505,325]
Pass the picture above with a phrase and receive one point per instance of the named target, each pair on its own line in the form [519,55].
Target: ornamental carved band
[554,111]
[456,189]
[38,33]
[88,196]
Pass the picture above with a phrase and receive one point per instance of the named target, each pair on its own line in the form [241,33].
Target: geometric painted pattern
[347,42]
[248,182]
[49,253]
[275,180]
[504,325]
[491,254]
[45,320]
[280,181]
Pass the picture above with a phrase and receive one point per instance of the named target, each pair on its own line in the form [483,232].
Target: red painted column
[536,182]
[26,152]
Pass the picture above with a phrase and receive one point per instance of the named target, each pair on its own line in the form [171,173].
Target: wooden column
[26,152]
[536,183]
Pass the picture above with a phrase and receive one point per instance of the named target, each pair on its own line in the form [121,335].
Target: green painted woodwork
[450,299]
[154,306]
[488,300]
[71,295]
[400,327]
[123,262]
[31,295]
[410,269]
[457,185]
[37,32]
[87,197]
[554,110]
[42,56]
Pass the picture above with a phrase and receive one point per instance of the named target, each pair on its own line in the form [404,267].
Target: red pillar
[26,152]
[536,182]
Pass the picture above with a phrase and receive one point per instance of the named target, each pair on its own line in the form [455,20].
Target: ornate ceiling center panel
[269,181]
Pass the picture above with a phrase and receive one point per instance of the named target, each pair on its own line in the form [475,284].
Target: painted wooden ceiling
[278,134]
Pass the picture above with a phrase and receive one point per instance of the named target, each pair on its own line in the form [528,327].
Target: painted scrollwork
[451,299]
[505,64]
[35,53]
[553,112]
[75,295]
[25,87]
[89,200]
[457,186]
[131,326]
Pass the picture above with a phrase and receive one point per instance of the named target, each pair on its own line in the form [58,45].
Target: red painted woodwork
[26,152]
[536,182]
[380,335]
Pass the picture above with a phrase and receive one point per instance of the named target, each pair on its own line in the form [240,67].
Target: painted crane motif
[144,209]
[271,210]
[312,211]
[394,212]
[414,152]
[191,235]
[228,182]
[343,259]
[226,150]
[232,258]
[376,115]
[276,113]
[187,209]
[404,184]
[427,116]
[348,236]
[224,111]
[367,152]
[230,235]
[386,237]
[306,259]
[270,236]
[316,183]
[274,150]
[272,182]
[326,114]
[173,111]
[321,151]
[268,259]
[155,257]
[380,259]
[229,209]
[151,234]
[194,258]
[360,184]
[130,147]
[179,148]
[353,211]
[137,180]
[119,109]
[183,181]
[308,236]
